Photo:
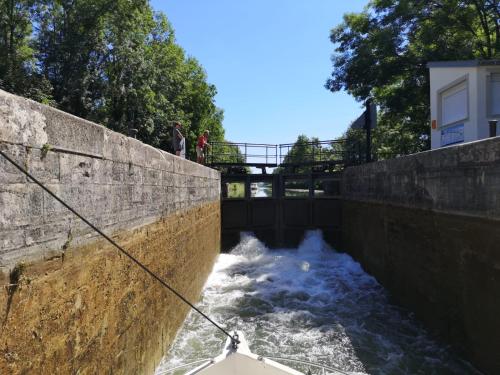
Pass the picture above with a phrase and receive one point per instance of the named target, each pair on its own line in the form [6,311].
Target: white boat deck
[241,361]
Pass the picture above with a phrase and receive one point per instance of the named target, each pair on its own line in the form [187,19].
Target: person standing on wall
[201,147]
[178,140]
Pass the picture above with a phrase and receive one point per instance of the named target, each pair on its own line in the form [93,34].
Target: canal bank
[70,302]
[427,226]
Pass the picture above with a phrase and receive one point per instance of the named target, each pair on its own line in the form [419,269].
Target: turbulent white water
[310,303]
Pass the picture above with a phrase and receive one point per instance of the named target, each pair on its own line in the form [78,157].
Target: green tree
[382,53]
[302,151]
[70,49]
[18,72]
[115,62]
[226,152]
[128,68]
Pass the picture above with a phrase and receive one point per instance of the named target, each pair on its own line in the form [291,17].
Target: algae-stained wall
[427,226]
[70,303]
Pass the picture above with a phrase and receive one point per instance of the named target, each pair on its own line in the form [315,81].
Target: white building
[465,95]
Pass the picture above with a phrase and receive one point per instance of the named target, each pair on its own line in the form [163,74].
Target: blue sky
[269,60]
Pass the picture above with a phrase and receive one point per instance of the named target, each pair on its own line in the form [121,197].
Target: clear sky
[269,60]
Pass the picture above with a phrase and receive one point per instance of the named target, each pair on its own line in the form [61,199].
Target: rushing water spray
[312,304]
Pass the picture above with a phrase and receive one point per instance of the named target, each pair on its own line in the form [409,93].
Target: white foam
[313,304]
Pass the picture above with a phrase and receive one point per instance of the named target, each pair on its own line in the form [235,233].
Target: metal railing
[325,370]
[288,154]
[320,152]
[185,365]
[231,153]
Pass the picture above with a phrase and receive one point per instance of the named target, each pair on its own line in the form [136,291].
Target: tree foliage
[304,152]
[115,62]
[18,70]
[383,51]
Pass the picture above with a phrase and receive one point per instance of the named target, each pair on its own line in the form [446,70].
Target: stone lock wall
[427,226]
[70,303]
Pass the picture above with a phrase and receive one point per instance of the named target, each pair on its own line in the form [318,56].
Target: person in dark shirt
[201,147]
[178,141]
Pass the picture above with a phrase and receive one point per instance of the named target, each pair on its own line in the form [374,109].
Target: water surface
[310,303]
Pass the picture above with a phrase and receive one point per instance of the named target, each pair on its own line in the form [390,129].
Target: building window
[494,95]
[454,104]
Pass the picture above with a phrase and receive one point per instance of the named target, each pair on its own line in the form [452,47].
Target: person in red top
[201,147]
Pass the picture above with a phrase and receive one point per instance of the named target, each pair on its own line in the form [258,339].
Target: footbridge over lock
[301,194]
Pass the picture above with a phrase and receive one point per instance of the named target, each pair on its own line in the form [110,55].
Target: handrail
[316,365]
[237,153]
[242,153]
[244,143]
[163,372]
[302,362]
[335,151]
[315,142]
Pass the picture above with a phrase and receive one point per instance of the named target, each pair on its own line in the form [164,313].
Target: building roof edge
[462,63]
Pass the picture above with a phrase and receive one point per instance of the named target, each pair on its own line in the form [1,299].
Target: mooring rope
[234,339]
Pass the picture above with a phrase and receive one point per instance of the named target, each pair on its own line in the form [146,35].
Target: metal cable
[137,262]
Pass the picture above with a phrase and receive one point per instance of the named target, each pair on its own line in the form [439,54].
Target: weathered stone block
[47,232]
[76,169]
[116,147]
[21,204]
[168,162]
[9,174]
[138,152]
[22,121]
[167,178]
[102,172]
[154,157]
[180,165]
[152,176]
[42,251]
[135,174]
[77,196]
[72,133]
[120,173]
[11,239]
[52,209]
[44,165]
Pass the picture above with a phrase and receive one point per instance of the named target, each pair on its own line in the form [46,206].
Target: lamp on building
[493,127]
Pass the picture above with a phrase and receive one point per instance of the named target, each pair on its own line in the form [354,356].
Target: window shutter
[495,94]
[454,104]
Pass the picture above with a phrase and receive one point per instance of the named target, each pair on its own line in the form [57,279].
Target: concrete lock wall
[427,226]
[70,303]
